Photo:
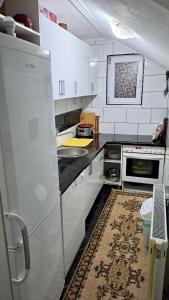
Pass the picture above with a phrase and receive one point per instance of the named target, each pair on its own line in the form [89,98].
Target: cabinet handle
[25,239]
[60,87]
[92,87]
[75,86]
[90,170]
[63,87]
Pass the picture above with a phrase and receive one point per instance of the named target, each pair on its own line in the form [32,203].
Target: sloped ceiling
[148,18]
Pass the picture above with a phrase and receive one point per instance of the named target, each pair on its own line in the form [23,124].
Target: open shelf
[107,181]
[109,160]
[22,31]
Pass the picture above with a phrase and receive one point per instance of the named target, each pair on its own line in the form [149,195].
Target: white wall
[121,119]
[66,105]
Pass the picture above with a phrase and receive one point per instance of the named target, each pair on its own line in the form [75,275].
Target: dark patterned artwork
[126,79]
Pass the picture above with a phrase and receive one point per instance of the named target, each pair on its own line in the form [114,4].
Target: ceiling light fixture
[122,31]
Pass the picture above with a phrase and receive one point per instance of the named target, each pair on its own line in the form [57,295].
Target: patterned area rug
[114,263]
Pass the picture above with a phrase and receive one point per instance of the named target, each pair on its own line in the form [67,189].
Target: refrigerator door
[45,280]
[27,135]
[5,283]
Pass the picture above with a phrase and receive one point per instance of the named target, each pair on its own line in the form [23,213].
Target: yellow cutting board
[75,142]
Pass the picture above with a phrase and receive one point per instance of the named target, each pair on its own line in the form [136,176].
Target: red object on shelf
[24,19]
[51,16]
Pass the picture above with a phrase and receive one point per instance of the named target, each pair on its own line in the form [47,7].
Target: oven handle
[144,156]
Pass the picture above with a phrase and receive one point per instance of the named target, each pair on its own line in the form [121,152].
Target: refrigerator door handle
[25,239]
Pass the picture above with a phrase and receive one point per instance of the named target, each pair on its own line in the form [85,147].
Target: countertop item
[71,152]
[84,130]
[69,169]
[77,142]
[113,154]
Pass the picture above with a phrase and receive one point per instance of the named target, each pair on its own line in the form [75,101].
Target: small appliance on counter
[85,130]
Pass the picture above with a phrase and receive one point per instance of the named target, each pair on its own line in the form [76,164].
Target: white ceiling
[89,19]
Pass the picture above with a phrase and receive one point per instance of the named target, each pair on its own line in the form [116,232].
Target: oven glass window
[142,168]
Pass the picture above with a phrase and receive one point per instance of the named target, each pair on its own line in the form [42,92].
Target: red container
[51,16]
[24,19]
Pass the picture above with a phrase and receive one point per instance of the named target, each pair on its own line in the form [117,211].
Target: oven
[143,164]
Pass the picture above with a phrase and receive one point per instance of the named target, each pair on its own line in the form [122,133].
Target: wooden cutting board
[87,118]
[90,118]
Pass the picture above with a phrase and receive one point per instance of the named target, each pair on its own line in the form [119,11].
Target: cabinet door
[94,180]
[93,86]
[47,41]
[73,216]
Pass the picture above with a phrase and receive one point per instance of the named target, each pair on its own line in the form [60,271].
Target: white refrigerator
[29,186]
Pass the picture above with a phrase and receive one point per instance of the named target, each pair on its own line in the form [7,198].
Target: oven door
[142,168]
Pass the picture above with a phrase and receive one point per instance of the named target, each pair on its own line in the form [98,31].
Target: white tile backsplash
[65,105]
[60,106]
[154,83]
[101,86]
[108,50]
[114,115]
[73,103]
[154,100]
[158,115]
[86,102]
[101,69]
[98,111]
[152,69]
[121,49]
[97,53]
[107,128]
[138,115]
[146,129]
[126,128]
[99,101]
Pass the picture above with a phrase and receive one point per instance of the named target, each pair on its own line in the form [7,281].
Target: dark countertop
[70,168]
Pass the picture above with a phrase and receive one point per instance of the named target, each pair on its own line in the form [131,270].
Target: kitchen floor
[90,224]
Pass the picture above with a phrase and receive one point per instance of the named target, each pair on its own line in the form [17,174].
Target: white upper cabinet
[70,56]
[69,60]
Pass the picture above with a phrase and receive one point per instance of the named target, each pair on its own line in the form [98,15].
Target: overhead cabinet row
[70,57]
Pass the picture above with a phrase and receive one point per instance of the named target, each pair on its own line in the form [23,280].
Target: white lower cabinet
[73,217]
[94,180]
[77,201]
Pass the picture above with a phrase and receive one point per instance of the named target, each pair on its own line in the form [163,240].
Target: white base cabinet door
[94,180]
[73,217]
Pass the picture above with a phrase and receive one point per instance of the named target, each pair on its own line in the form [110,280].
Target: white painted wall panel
[138,115]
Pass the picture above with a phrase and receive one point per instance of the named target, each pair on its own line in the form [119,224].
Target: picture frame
[124,84]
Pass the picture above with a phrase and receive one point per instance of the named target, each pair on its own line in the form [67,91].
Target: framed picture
[124,79]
